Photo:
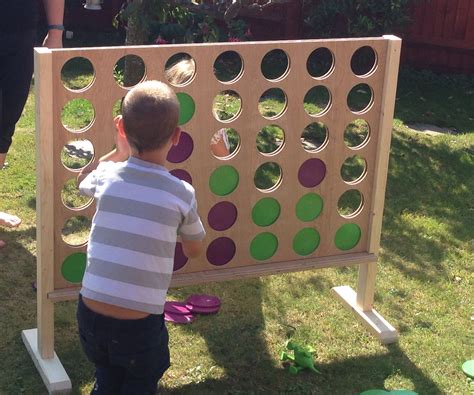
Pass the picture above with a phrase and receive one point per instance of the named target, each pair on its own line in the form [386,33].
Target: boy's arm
[192,248]
[118,154]
[191,233]
[113,156]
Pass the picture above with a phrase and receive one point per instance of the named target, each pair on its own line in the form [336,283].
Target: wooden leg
[362,304]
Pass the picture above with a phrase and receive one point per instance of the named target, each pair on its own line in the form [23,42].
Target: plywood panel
[104,92]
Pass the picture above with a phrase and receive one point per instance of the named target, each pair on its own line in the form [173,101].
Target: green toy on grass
[301,359]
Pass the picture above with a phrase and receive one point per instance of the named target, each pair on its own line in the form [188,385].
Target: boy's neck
[157,157]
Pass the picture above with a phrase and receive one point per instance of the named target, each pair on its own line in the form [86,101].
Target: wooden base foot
[52,372]
[372,320]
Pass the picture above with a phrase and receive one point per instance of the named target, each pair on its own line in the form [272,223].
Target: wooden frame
[52,96]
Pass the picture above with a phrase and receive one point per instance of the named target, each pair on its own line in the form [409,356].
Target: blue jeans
[130,356]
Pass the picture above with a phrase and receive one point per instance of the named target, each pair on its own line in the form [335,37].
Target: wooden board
[104,92]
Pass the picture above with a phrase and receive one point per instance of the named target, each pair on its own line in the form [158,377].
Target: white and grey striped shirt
[141,208]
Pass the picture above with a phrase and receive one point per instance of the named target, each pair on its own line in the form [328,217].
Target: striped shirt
[141,208]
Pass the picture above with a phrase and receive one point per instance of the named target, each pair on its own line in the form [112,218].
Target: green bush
[355,18]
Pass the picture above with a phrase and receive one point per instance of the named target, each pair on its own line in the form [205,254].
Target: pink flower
[160,41]
[248,33]
[234,39]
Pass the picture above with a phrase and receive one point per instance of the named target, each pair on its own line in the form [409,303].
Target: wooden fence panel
[441,36]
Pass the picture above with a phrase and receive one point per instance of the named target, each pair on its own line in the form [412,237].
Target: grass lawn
[424,284]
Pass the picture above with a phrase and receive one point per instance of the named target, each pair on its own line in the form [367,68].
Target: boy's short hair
[150,114]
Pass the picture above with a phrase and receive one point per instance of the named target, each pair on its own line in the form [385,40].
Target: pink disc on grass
[220,251]
[312,172]
[203,300]
[179,258]
[179,318]
[203,310]
[175,307]
[222,216]
[179,153]
[182,175]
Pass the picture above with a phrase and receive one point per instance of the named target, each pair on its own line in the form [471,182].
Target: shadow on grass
[429,210]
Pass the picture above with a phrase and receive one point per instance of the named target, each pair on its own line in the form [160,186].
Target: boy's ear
[175,136]
[118,120]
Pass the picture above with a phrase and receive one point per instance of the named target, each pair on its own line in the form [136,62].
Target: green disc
[347,236]
[374,392]
[224,180]
[263,246]
[468,368]
[309,207]
[186,107]
[266,211]
[306,241]
[74,266]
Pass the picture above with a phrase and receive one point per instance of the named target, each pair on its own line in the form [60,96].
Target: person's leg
[16,69]
[143,352]
[94,331]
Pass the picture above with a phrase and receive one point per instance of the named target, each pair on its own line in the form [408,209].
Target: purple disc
[179,258]
[312,172]
[203,310]
[202,300]
[222,216]
[182,175]
[174,307]
[179,318]
[220,251]
[179,153]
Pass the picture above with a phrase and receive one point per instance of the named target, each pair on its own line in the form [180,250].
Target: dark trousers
[130,356]
[16,68]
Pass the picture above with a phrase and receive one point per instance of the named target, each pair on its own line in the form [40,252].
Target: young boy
[141,209]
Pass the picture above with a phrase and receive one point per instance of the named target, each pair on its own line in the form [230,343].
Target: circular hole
[226,106]
[360,98]
[76,230]
[275,64]
[272,103]
[77,73]
[263,246]
[270,139]
[222,216]
[356,133]
[312,172]
[353,169]
[314,137]
[180,259]
[350,203]
[183,175]
[77,154]
[363,61]
[224,180]
[71,197]
[179,153]
[317,100]
[347,236]
[77,115]
[320,63]
[266,211]
[74,267]
[228,66]
[309,207]
[129,71]
[180,69]
[117,108]
[224,143]
[221,251]
[268,176]
[187,107]
[306,241]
